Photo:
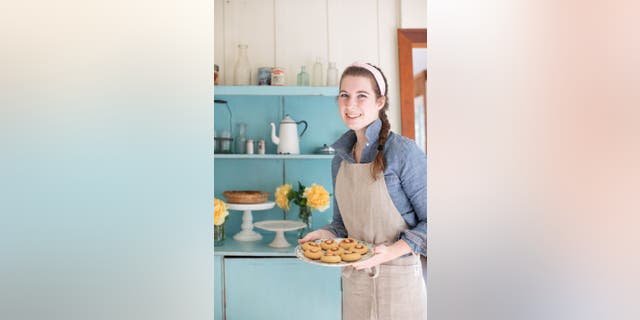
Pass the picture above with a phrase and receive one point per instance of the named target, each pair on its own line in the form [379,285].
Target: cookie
[350,256]
[336,250]
[328,244]
[330,258]
[348,243]
[313,253]
[360,248]
[310,244]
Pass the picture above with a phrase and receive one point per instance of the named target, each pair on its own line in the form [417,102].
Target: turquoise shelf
[275,91]
[259,248]
[272,156]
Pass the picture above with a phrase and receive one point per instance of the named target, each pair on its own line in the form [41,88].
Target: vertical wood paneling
[301,35]
[250,22]
[353,32]
[218,37]
[388,44]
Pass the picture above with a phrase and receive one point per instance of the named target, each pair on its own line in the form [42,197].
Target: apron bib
[395,289]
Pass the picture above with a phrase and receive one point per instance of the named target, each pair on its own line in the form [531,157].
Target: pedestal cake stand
[280,226]
[247,233]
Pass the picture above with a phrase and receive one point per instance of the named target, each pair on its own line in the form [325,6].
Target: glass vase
[218,235]
[305,217]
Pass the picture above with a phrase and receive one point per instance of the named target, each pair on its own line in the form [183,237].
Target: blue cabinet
[253,280]
[218,294]
[280,288]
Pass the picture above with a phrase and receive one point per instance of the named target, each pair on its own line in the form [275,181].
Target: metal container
[262,146]
[249,147]
[277,77]
[264,76]
[325,149]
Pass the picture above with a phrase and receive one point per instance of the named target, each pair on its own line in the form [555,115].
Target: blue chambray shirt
[405,175]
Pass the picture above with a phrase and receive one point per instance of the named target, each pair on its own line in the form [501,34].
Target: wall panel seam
[378,32]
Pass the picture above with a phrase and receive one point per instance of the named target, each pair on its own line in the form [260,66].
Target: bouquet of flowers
[220,214]
[315,197]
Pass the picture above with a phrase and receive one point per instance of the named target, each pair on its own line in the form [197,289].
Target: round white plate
[300,255]
[279,225]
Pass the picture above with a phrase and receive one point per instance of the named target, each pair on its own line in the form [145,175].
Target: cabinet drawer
[281,288]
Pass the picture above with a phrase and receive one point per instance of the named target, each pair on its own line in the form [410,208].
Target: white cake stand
[280,226]
[247,233]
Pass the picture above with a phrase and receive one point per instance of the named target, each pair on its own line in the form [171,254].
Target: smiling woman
[380,198]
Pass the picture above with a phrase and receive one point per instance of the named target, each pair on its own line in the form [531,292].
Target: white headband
[376,74]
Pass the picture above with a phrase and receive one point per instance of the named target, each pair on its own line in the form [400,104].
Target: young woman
[380,196]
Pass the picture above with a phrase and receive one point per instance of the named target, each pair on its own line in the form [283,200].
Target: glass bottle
[303,77]
[317,74]
[218,235]
[332,75]
[242,68]
[241,140]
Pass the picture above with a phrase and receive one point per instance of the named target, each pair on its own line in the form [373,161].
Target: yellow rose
[281,196]
[317,197]
[219,212]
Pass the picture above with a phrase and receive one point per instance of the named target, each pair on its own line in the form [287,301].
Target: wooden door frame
[408,39]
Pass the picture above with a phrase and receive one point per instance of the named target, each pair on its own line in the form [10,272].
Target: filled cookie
[313,253]
[360,248]
[348,243]
[330,257]
[310,244]
[328,244]
[336,250]
[350,256]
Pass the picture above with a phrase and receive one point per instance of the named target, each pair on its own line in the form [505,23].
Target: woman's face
[357,102]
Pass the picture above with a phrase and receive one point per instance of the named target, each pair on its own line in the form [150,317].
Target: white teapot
[288,142]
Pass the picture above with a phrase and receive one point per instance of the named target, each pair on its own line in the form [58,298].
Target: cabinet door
[281,288]
[218,306]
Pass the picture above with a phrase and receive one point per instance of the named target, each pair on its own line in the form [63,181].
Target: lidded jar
[242,68]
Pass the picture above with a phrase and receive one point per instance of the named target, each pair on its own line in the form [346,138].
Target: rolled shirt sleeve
[413,178]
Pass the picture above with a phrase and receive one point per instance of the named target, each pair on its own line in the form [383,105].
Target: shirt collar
[344,145]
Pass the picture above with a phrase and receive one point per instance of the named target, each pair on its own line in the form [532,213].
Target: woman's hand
[383,253]
[315,235]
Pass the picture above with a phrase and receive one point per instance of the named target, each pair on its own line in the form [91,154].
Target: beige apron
[395,289]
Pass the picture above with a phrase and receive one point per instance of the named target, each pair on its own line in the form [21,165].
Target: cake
[245,196]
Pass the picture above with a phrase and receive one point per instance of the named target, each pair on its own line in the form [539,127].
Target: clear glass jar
[218,235]
[332,75]
[303,77]
[241,138]
[242,68]
[318,75]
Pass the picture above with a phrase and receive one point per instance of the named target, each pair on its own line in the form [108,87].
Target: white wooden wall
[292,33]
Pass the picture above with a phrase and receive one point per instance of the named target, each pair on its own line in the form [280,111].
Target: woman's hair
[379,162]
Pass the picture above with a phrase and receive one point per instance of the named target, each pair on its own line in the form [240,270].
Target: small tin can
[277,77]
[264,76]
[262,147]
[249,145]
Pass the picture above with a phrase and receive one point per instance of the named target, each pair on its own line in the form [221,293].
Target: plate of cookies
[337,252]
